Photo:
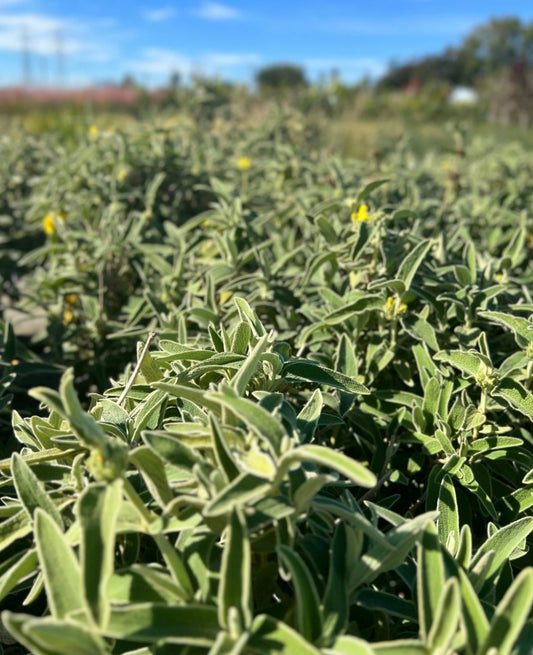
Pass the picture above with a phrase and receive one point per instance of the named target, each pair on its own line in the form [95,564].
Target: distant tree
[128,81]
[512,95]
[174,80]
[488,50]
[281,76]
[495,46]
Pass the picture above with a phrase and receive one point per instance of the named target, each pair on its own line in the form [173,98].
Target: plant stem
[483,410]
[170,554]
[136,370]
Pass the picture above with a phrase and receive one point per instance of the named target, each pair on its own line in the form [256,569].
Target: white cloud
[159,15]
[46,36]
[217,11]
[230,60]
[158,63]
[37,33]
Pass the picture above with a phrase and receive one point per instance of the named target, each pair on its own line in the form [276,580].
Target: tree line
[488,50]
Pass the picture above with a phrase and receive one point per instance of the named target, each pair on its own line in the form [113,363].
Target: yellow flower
[68,317]
[50,221]
[393,307]
[71,298]
[93,131]
[122,174]
[361,214]
[244,163]
[49,226]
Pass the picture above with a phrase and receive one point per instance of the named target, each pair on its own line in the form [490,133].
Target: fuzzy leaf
[61,571]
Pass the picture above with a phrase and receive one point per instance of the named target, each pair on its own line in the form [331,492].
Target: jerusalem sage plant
[325,447]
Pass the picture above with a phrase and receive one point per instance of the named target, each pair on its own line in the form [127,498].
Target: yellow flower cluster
[244,163]
[93,131]
[50,221]
[361,214]
[393,307]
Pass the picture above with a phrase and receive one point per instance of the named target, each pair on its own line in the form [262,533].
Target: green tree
[495,46]
[488,50]
[281,76]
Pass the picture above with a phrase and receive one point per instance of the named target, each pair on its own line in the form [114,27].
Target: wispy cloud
[160,63]
[218,11]
[44,35]
[35,33]
[159,15]
[230,60]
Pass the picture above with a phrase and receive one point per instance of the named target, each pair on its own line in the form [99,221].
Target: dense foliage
[308,426]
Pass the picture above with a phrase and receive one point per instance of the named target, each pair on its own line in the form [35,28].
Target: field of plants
[273,400]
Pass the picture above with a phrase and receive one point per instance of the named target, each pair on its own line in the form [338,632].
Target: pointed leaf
[328,458]
[98,508]
[307,419]
[61,571]
[446,619]
[411,263]
[510,616]
[348,645]
[245,489]
[23,566]
[195,625]
[503,542]
[307,602]
[268,427]
[65,637]
[466,362]
[430,580]
[448,521]
[223,455]
[250,365]
[366,190]
[336,602]
[235,587]
[31,491]
[314,372]
[516,395]
[269,635]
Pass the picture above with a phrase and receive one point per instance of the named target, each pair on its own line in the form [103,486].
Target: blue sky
[85,42]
